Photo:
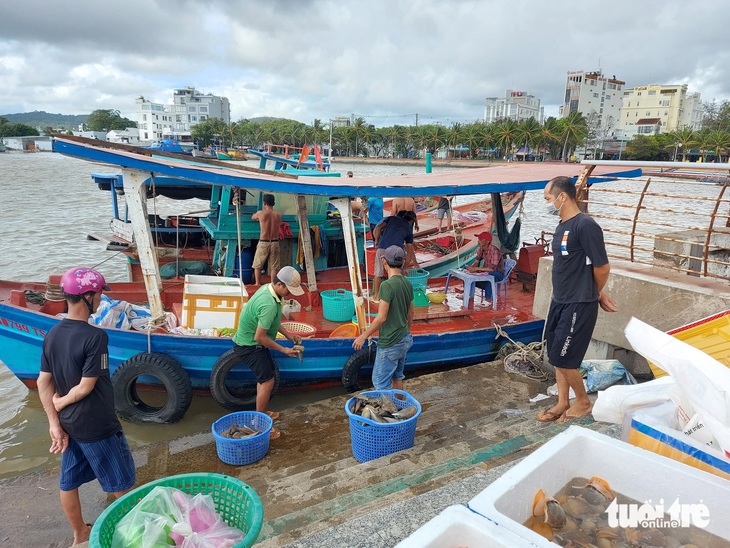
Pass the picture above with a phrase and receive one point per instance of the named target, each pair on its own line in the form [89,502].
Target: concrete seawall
[662,298]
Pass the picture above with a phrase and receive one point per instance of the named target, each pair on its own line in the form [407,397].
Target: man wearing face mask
[580,272]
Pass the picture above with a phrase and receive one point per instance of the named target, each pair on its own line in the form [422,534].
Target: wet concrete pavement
[474,419]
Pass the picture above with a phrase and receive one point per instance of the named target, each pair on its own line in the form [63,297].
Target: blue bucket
[245,450]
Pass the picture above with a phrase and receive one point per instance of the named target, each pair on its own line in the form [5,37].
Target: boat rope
[35,297]
[523,359]
[453,229]
[365,228]
[108,258]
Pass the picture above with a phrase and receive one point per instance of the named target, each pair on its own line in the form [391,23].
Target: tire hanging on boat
[352,377]
[168,371]
[244,395]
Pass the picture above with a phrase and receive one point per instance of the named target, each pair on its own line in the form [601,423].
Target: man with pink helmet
[77,396]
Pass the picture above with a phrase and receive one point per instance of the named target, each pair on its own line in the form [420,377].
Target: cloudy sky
[385,60]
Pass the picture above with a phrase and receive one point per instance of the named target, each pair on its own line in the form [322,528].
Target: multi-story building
[596,97]
[515,105]
[653,109]
[189,107]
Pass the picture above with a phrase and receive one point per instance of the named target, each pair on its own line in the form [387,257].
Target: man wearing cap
[255,337]
[77,395]
[393,323]
[489,260]
[395,230]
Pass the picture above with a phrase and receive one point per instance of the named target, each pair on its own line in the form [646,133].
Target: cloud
[384,59]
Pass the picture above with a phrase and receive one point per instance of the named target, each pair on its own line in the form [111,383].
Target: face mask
[551,208]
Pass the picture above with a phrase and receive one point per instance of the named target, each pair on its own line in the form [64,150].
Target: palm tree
[528,132]
[720,141]
[506,133]
[704,142]
[686,137]
[550,137]
[574,130]
[454,136]
[359,130]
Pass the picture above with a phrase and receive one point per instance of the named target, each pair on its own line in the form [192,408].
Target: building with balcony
[189,107]
[515,105]
[653,109]
[594,96]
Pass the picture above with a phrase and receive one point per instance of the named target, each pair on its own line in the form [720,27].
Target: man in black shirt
[77,396]
[580,272]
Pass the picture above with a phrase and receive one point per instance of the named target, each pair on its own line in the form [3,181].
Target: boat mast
[135,191]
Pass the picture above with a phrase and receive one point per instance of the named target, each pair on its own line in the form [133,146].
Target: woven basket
[304,330]
[237,503]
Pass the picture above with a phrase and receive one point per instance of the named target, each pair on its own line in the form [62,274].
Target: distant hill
[41,119]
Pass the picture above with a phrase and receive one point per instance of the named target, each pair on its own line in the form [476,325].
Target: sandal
[274,434]
[273,414]
[548,416]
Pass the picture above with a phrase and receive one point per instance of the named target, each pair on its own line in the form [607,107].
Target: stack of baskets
[418,278]
[372,440]
[304,330]
[337,305]
[245,450]
[237,503]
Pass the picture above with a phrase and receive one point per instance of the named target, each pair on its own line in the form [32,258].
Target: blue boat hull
[22,332]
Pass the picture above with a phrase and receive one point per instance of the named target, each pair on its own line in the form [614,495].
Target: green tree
[208,131]
[686,138]
[107,120]
[528,133]
[720,142]
[573,131]
[16,130]
[506,135]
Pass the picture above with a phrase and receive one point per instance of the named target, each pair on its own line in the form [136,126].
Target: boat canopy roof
[497,178]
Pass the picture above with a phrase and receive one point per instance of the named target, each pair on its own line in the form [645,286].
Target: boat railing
[680,225]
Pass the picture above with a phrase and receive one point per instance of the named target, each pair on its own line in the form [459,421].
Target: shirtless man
[404,204]
[267,250]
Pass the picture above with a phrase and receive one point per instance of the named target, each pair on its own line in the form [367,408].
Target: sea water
[48,206]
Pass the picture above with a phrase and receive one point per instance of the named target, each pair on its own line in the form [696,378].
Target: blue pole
[428,162]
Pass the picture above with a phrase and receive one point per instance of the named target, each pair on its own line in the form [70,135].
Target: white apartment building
[515,105]
[189,107]
[653,109]
[592,92]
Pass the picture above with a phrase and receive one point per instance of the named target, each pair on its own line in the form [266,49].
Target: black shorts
[568,331]
[259,360]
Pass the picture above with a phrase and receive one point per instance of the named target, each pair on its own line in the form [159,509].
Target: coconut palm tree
[686,137]
[574,130]
[454,136]
[705,143]
[720,141]
[506,134]
[528,131]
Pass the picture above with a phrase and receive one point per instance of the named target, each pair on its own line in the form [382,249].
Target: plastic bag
[202,527]
[600,374]
[615,402]
[149,523]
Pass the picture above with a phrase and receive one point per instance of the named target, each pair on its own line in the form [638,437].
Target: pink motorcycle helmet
[81,280]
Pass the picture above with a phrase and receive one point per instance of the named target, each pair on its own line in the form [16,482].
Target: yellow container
[212,301]
[711,335]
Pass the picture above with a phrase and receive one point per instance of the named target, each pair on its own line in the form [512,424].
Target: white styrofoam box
[631,471]
[212,301]
[458,526]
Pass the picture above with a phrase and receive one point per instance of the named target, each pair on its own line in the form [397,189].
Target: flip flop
[548,416]
[273,414]
[274,434]
[567,418]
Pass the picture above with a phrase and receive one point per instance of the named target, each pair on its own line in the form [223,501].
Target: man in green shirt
[394,319]
[258,325]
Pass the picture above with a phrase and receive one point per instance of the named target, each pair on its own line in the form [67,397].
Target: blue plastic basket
[246,450]
[372,440]
[337,305]
[418,278]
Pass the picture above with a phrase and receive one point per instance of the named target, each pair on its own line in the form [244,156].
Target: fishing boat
[445,335]
[230,155]
[293,160]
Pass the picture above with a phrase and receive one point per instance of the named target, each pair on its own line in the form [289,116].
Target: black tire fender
[168,371]
[245,394]
[351,376]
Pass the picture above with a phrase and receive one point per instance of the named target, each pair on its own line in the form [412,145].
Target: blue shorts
[390,362]
[108,460]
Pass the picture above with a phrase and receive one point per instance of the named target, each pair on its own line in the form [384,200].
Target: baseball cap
[486,235]
[291,279]
[394,255]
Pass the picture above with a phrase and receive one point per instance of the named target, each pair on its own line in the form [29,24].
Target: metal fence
[677,224]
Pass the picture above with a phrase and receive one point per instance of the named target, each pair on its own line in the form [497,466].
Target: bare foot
[84,536]
[274,434]
[576,411]
[273,414]
[550,414]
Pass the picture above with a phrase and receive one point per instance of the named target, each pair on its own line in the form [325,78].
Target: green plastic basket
[237,503]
